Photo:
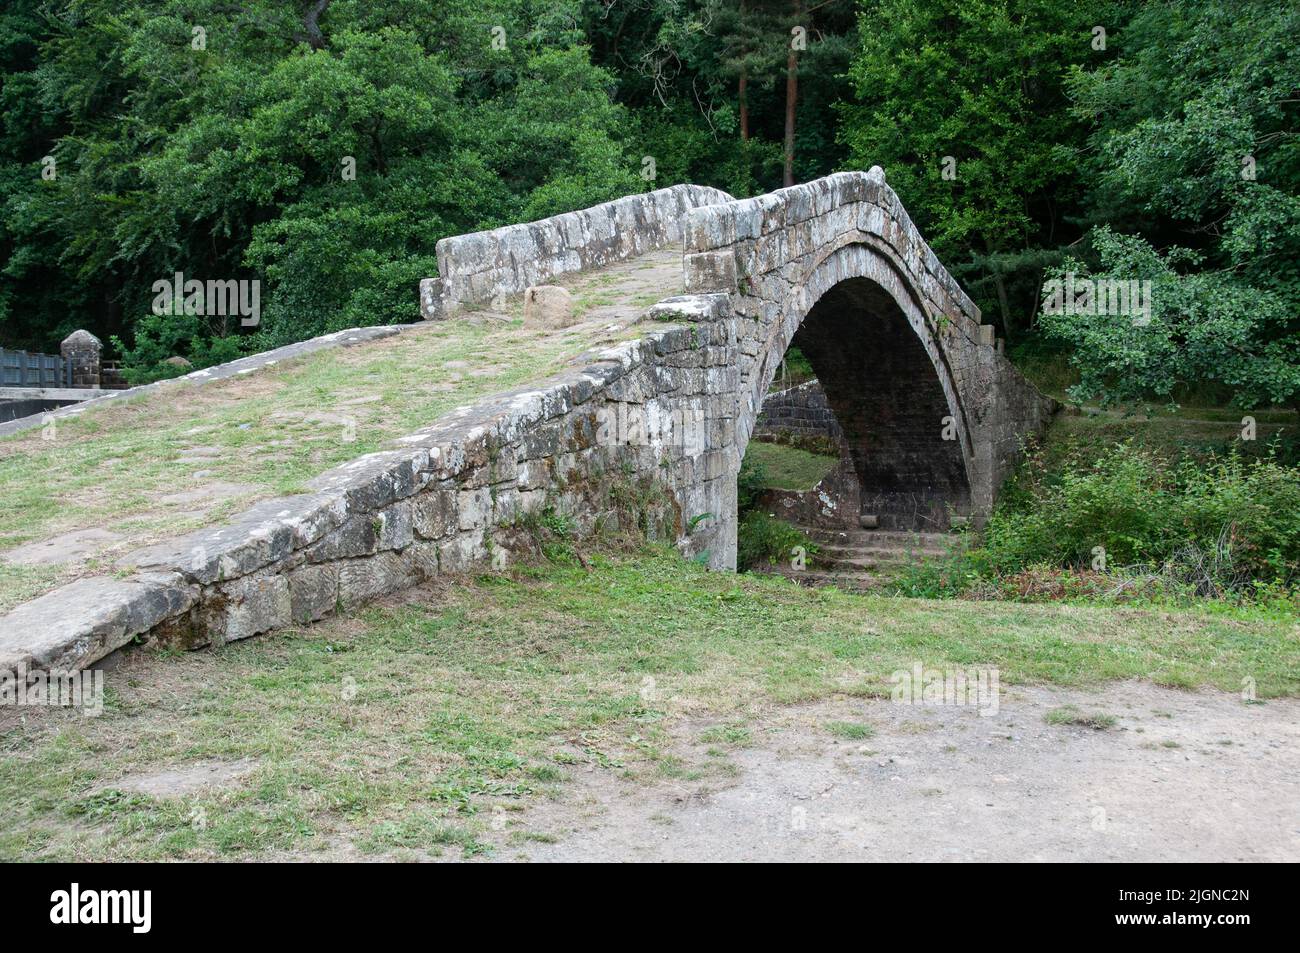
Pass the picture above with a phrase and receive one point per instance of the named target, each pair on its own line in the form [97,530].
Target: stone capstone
[548,306]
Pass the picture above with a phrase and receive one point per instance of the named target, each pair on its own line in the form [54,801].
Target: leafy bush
[1251,508]
[942,577]
[1119,503]
[160,336]
[763,540]
[1217,525]
[750,483]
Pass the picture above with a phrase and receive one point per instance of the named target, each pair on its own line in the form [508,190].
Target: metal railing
[25,369]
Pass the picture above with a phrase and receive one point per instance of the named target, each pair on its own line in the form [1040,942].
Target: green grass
[789,468]
[1070,715]
[1195,430]
[1201,421]
[733,735]
[489,692]
[850,730]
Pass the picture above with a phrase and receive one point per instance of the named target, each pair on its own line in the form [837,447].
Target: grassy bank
[779,466]
[1162,507]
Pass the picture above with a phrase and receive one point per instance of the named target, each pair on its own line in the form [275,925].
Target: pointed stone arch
[894,418]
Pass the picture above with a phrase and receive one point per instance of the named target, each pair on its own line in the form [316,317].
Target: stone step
[840,563]
[891,561]
[895,554]
[872,538]
[864,559]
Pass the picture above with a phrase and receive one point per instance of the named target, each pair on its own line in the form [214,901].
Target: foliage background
[1118,158]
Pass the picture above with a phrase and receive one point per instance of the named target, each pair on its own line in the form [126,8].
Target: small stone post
[81,350]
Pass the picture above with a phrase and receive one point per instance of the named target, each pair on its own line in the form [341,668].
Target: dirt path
[1181,776]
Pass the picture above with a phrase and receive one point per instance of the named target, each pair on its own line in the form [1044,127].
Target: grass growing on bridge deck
[177,461]
[402,728]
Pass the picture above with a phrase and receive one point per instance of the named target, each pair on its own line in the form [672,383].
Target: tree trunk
[791,95]
[742,94]
[311,23]
[1002,305]
[744,105]
[1000,286]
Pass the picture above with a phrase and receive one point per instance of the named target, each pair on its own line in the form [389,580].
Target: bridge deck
[136,472]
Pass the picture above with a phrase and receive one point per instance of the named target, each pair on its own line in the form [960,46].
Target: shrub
[160,336]
[763,540]
[1249,510]
[1216,525]
[1120,503]
[941,577]
[750,484]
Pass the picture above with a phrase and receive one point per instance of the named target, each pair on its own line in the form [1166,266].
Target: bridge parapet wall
[789,231]
[476,269]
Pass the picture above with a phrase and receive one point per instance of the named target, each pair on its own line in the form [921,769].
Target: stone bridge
[933,414]
[649,433]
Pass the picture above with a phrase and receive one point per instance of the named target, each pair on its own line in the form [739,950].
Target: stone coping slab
[481,268]
[53,393]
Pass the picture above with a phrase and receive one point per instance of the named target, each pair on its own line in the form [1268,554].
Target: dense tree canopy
[1193,168]
[963,103]
[323,147]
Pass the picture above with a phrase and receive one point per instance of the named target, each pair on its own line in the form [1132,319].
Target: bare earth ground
[1184,776]
[641,707]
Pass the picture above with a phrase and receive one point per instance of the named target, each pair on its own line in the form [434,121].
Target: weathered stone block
[250,606]
[434,512]
[548,306]
[361,580]
[359,536]
[80,623]
[473,508]
[422,560]
[461,553]
[709,272]
[313,592]
[396,525]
